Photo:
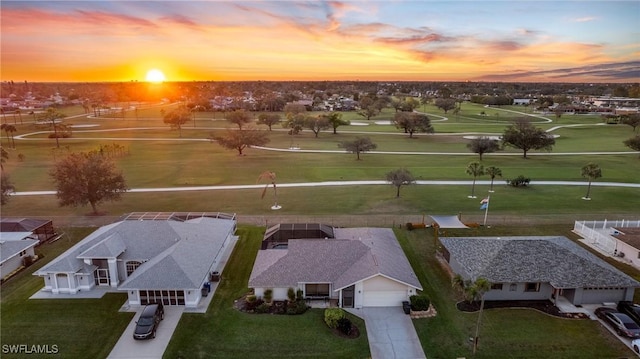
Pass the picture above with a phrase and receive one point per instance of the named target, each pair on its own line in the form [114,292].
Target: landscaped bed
[544,306]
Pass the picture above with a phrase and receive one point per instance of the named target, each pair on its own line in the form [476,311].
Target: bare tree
[360,144]
[239,117]
[482,145]
[271,179]
[240,139]
[400,177]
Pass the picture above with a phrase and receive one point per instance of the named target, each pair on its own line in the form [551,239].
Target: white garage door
[384,298]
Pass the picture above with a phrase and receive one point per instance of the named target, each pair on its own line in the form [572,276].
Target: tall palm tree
[477,290]
[270,176]
[9,130]
[474,169]
[493,172]
[591,171]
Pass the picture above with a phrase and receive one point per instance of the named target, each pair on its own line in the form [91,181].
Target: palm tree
[477,291]
[474,169]
[493,172]
[591,171]
[9,130]
[270,176]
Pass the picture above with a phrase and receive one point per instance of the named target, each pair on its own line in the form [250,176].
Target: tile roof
[358,254]
[556,260]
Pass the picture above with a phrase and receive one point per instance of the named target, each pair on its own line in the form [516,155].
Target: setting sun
[155,75]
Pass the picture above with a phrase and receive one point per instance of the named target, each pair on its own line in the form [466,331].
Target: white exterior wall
[10,265]
[380,291]
[627,253]
[133,297]
[85,282]
[358,295]
[15,262]
[192,298]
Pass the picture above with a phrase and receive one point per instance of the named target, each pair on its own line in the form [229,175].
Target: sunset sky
[563,41]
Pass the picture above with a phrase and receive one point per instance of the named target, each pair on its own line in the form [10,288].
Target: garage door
[384,298]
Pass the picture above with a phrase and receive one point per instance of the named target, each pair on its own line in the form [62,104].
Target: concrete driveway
[391,334]
[129,348]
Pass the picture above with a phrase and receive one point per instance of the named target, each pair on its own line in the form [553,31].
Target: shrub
[520,181]
[291,294]
[21,157]
[344,325]
[301,307]
[268,295]
[263,308]
[409,226]
[332,315]
[419,302]
[299,295]
[251,298]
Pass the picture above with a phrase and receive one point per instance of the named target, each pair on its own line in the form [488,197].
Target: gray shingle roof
[360,253]
[555,260]
[177,254]
[110,247]
[9,249]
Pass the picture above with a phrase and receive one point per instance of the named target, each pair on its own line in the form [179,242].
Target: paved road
[344,183]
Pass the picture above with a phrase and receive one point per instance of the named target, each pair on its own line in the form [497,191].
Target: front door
[102,276]
[347,297]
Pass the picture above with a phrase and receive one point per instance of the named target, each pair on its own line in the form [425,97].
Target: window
[496,286]
[317,290]
[132,266]
[532,287]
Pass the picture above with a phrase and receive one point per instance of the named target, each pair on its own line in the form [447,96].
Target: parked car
[630,309]
[147,324]
[620,322]
[635,344]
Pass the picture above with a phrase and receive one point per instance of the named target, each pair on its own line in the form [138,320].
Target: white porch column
[53,278]
[113,272]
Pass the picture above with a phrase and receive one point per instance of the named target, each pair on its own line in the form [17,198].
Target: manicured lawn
[224,332]
[519,333]
[80,328]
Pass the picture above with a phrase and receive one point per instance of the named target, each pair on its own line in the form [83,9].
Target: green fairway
[155,156]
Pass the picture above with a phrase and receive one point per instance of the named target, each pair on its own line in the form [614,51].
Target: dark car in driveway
[148,321]
[620,322]
[630,309]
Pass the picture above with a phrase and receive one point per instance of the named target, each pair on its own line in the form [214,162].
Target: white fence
[599,233]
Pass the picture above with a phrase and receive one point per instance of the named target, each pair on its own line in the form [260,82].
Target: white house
[360,267]
[14,251]
[159,257]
